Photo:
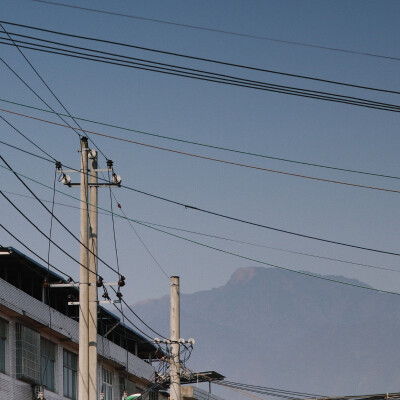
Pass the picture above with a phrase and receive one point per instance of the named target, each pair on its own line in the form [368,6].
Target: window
[126,384]
[153,395]
[27,354]
[47,363]
[107,384]
[70,373]
[3,339]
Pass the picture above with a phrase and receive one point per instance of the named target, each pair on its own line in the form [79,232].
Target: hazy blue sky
[244,119]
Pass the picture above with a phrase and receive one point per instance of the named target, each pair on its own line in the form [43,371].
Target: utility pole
[88,282]
[93,246]
[175,368]
[83,380]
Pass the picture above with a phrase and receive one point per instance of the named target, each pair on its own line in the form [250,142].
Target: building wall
[18,307]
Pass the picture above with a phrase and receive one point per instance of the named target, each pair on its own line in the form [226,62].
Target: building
[39,339]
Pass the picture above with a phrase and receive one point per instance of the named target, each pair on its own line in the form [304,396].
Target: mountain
[279,329]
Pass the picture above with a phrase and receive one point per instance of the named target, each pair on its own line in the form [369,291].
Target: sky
[272,124]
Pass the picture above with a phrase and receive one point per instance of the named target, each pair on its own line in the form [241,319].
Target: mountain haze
[275,328]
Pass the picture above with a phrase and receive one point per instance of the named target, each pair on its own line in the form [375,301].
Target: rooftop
[28,275]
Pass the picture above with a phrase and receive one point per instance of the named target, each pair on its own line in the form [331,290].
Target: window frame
[50,360]
[107,384]
[4,334]
[70,374]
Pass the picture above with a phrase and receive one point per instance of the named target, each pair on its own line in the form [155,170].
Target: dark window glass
[70,373]
[47,363]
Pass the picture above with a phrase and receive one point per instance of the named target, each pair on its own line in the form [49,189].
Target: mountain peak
[242,276]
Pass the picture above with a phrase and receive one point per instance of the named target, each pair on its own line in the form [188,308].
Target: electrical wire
[249,258]
[212,146]
[47,86]
[246,386]
[222,238]
[269,264]
[69,256]
[216,214]
[36,71]
[41,232]
[218,62]
[22,243]
[29,140]
[58,220]
[72,258]
[203,234]
[225,216]
[43,373]
[210,158]
[137,316]
[141,240]
[46,153]
[218,78]
[244,390]
[32,90]
[223,31]
[26,151]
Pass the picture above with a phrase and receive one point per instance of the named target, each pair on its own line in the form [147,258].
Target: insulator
[99,282]
[121,281]
[65,179]
[116,179]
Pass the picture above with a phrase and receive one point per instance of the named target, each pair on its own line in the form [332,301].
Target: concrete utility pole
[88,301]
[83,380]
[93,244]
[175,368]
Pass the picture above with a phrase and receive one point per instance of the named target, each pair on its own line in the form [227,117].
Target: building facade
[39,339]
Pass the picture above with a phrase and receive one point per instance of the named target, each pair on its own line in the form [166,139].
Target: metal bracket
[58,285]
[76,303]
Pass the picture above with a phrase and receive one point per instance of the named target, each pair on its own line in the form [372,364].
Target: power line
[26,151]
[51,241]
[212,146]
[22,243]
[249,258]
[47,86]
[29,140]
[218,237]
[271,265]
[211,158]
[218,215]
[219,78]
[265,391]
[222,31]
[185,56]
[225,216]
[141,240]
[63,251]
[66,275]
[56,218]
[55,244]
[32,90]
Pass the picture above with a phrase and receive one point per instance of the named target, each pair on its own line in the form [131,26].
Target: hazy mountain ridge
[275,328]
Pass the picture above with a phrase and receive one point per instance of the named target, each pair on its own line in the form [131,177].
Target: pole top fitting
[84,139]
[110,163]
[58,165]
